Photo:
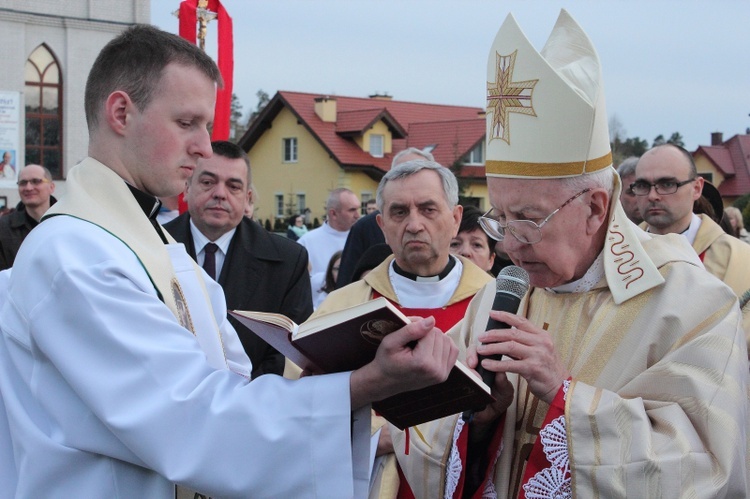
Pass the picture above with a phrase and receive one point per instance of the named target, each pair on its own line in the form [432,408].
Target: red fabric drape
[188,19]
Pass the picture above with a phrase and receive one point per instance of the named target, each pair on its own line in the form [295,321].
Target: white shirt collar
[692,231]
[421,294]
[200,241]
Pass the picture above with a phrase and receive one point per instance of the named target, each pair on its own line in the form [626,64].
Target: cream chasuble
[658,402]
[727,258]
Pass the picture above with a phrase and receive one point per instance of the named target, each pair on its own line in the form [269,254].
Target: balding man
[35,187]
[342,210]
[667,184]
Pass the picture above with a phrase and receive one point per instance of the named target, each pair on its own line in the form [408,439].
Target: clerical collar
[150,206]
[148,203]
[431,278]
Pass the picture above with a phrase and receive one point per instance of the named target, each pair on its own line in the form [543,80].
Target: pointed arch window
[43,103]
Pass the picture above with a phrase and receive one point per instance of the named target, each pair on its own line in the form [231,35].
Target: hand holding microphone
[511,285]
[534,356]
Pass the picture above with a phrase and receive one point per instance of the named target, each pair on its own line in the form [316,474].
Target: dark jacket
[263,272]
[14,227]
[364,233]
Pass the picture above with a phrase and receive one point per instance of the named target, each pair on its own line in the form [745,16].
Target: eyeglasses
[36,182]
[526,231]
[662,186]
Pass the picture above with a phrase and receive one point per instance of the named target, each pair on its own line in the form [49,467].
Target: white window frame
[279,201]
[478,150]
[289,149]
[301,202]
[377,153]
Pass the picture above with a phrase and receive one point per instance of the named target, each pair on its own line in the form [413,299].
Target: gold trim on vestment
[551,170]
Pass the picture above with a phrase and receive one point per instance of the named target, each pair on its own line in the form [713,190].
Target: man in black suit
[258,270]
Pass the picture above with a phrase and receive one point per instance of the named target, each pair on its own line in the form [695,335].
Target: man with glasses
[624,372]
[35,187]
[666,186]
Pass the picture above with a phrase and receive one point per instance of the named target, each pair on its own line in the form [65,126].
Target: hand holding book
[413,357]
[349,339]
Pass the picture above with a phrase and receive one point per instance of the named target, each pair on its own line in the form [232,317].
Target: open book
[347,339]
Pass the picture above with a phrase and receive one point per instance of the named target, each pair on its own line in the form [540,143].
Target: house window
[476,155]
[300,203]
[290,150]
[376,145]
[708,176]
[279,205]
[43,103]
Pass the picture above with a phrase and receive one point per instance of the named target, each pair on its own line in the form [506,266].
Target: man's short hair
[627,167]
[334,199]
[409,168]
[371,201]
[412,150]
[134,63]
[692,171]
[45,171]
[603,179]
[230,150]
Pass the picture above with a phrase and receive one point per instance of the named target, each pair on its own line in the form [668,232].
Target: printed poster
[10,103]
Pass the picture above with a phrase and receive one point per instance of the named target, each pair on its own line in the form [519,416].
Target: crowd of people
[624,372]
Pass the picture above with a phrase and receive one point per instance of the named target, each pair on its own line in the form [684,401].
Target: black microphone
[512,283]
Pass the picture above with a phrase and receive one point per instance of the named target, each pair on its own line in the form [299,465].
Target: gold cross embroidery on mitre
[505,96]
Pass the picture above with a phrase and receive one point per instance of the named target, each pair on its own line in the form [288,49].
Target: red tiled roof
[355,113]
[358,122]
[453,139]
[720,157]
[732,158]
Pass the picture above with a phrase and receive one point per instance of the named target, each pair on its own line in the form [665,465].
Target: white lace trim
[552,482]
[454,468]
[586,283]
[566,387]
[489,491]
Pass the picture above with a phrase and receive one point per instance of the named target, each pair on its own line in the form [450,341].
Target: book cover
[348,339]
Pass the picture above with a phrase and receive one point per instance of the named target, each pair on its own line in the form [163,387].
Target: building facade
[303,145]
[49,47]
[726,164]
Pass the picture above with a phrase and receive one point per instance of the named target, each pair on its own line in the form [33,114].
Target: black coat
[263,272]
[14,227]
[364,234]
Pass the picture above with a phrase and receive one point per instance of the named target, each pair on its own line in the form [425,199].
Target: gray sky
[668,65]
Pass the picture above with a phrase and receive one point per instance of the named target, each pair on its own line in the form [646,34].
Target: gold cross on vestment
[505,96]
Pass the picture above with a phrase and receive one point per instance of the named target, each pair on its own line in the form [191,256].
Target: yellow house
[304,145]
[726,164]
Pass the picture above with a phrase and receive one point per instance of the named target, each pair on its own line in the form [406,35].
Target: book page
[270,318]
